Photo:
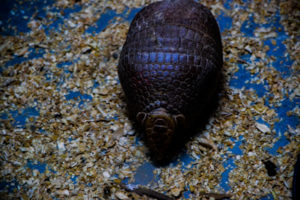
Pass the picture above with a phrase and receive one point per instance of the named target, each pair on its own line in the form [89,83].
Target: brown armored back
[172,58]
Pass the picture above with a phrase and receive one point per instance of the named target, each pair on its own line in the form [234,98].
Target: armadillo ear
[141,117]
[179,120]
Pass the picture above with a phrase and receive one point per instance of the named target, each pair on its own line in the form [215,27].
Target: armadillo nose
[160,129]
[161,122]
[160,125]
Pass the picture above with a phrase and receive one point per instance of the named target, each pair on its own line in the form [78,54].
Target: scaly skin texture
[170,64]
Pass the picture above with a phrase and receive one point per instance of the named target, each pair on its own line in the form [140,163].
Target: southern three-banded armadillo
[169,68]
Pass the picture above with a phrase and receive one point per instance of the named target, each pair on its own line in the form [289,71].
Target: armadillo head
[160,127]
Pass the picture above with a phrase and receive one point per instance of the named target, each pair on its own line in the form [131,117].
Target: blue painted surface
[292,120]
[41,167]
[184,159]
[3,116]
[34,53]
[55,26]
[282,126]
[187,194]
[282,64]
[108,17]
[227,4]
[283,61]
[144,174]
[242,79]
[268,197]
[14,13]
[236,148]
[64,64]
[102,22]
[249,26]
[229,166]
[21,117]
[132,14]
[224,21]
[77,95]
[9,186]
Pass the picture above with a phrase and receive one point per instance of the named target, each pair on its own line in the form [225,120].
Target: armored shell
[171,59]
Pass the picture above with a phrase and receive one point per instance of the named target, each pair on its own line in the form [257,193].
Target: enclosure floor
[63,124]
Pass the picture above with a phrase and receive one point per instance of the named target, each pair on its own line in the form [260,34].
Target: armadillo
[169,68]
